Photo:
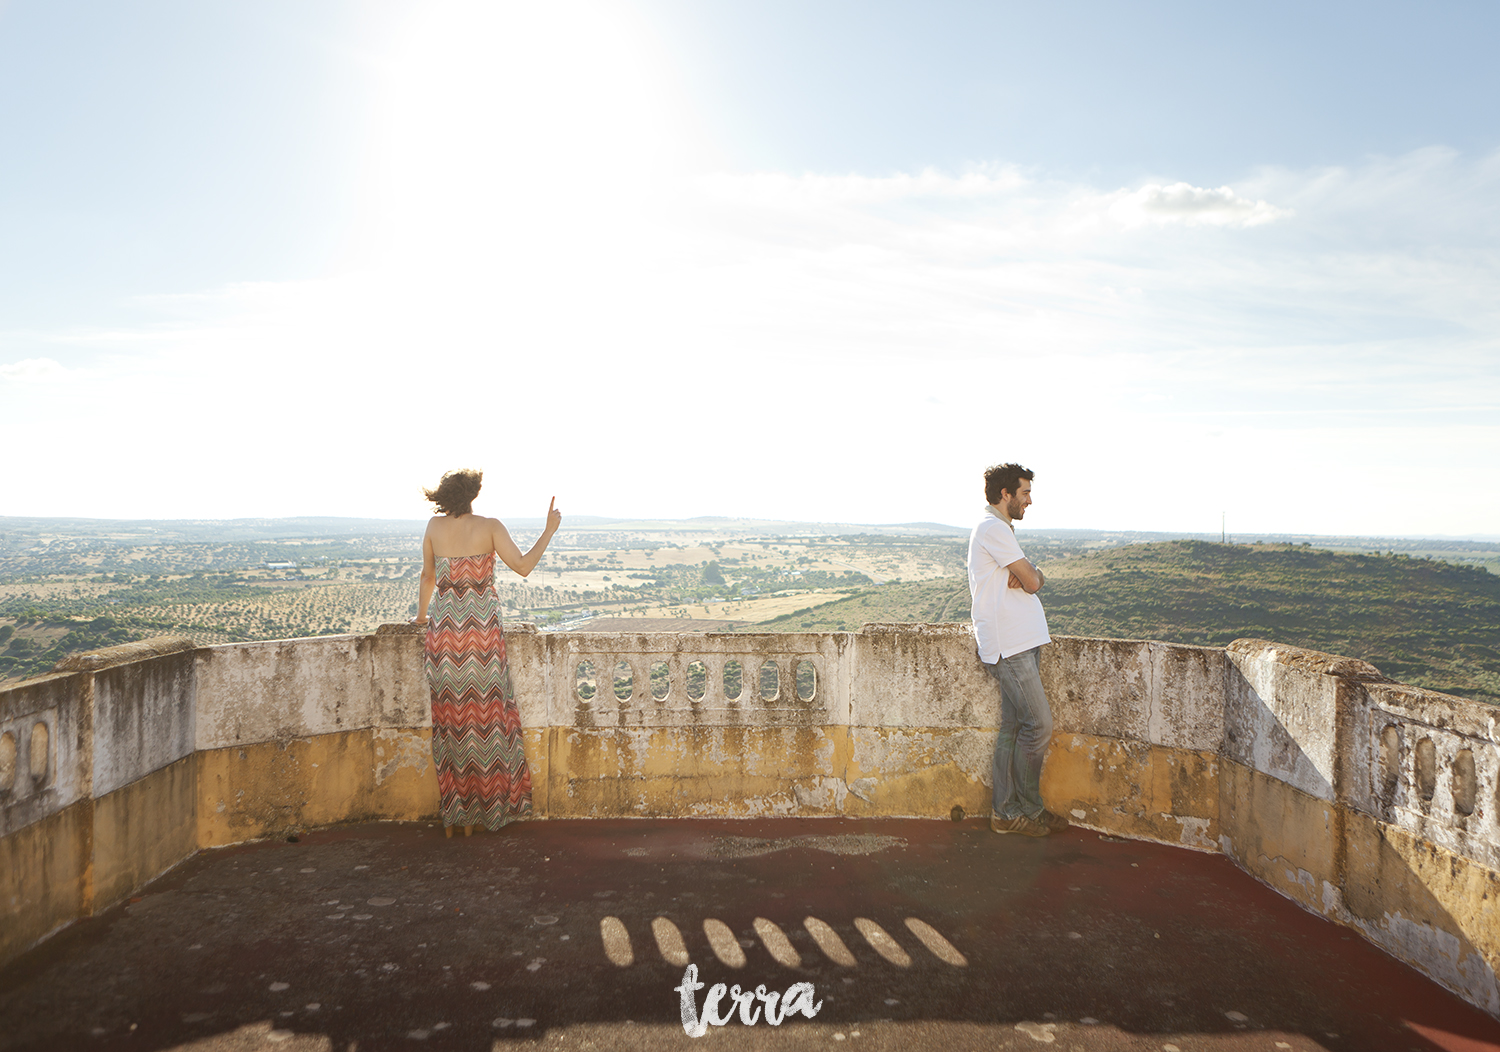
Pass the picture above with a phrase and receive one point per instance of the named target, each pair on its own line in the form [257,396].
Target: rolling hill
[1425,622]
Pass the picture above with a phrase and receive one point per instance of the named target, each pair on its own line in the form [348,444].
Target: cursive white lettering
[772,1015]
[711,1014]
[690,986]
[797,998]
[749,1011]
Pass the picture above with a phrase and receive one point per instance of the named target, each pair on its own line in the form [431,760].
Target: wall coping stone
[407,628]
[124,654]
[1305,660]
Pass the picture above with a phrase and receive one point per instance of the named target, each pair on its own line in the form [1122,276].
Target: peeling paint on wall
[825,794]
[1195,832]
[397,749]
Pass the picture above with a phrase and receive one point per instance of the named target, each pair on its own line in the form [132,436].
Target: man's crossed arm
[1023,574]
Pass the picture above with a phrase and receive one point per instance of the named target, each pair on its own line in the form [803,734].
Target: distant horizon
[589,520]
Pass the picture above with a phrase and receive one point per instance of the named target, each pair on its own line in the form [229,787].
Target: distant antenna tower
[1222,537]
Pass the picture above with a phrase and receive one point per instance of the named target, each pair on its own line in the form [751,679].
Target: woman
[476,729]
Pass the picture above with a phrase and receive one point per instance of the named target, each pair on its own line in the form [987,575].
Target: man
[1010,629]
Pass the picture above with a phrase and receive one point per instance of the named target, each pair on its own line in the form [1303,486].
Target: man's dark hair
[1005,477]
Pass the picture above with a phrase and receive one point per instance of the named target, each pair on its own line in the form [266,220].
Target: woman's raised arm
[511,556]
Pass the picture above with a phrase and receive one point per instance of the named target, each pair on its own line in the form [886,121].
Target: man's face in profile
[1015,504]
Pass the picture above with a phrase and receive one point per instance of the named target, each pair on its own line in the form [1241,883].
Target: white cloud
[1190,206]
[32,370]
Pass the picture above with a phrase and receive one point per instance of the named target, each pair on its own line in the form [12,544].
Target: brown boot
[1023,825]
[1055,823]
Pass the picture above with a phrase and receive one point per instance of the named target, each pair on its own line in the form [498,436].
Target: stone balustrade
[1372,803]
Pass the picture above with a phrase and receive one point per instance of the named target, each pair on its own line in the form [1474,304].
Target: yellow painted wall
[1399,890]
[1405,893]
[1436,910]
[1282,836]
[1135,789]
[277,788]
[405,782]
[143,829]
[687,771]
[922,772]
[45,877]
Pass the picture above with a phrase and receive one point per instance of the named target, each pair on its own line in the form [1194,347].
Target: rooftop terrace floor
[391,936]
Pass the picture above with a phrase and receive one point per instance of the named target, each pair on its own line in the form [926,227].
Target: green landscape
[1424,612]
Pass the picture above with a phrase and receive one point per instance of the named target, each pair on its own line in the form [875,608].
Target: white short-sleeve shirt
[1007,621]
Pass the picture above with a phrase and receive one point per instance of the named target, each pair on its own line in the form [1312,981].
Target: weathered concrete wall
[1139,726]
[143,717]
[680,744]
[97,784]
[143,829]
[1370,802]
[1422,904]
[143,765]
[284,689]
[46,735]
[921,711]
[277,788]
[1455,802]
[46,808]
[45,879]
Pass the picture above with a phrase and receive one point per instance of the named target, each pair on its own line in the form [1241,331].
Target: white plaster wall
[277,691]
[912,696]
[919,676]
[1452,724]
[398,687]
[1282,714]
[144,719]
[1100,686]
[61,703]
[1187,697]
[1282,711]
[534,675]
[399,696]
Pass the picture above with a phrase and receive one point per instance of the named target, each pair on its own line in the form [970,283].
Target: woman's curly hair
[456,492]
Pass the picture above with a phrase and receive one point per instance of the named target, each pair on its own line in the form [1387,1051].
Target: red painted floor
[391,936]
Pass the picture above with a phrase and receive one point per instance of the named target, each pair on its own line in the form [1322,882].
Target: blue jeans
[1025,730]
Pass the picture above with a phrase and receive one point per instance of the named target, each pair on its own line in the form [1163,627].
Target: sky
[816,261]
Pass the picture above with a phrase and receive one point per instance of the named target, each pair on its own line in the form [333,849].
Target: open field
[754,611]
[66,586]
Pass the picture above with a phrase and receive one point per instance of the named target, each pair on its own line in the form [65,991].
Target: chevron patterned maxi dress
[476,729]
